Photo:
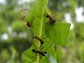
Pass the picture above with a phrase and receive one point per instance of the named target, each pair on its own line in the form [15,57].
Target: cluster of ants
[51,20]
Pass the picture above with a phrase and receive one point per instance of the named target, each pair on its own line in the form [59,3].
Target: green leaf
[57,32]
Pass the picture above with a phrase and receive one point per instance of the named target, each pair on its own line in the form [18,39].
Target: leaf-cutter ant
[28,23]
[41,41]
[39,52]
[51,19]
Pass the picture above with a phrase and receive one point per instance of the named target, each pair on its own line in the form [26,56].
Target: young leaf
[57,32]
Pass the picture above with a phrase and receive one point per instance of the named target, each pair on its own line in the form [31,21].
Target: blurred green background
[16,37]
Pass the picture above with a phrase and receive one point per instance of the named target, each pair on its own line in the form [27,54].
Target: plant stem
[38,58]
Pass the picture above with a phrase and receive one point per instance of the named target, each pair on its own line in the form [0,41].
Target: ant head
[28,24]
[33,50]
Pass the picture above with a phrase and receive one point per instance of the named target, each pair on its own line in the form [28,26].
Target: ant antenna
[23,11]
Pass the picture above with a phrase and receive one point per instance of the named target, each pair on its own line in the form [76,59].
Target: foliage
[56,33]
[20,36]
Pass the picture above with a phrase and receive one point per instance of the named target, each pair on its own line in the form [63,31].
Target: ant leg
[41,48]
[53,14]
[23,18]
[23,11]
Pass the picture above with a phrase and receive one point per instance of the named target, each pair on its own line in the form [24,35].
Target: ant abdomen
[52,21]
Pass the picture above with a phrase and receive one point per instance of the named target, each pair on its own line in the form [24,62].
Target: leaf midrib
[41,27]
[42,20]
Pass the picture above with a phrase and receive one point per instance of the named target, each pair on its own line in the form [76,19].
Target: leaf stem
[41,29]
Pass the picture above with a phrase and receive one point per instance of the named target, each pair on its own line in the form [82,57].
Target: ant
[51,19]
[47,16]
[39,52]
[41,41]
[28,23]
